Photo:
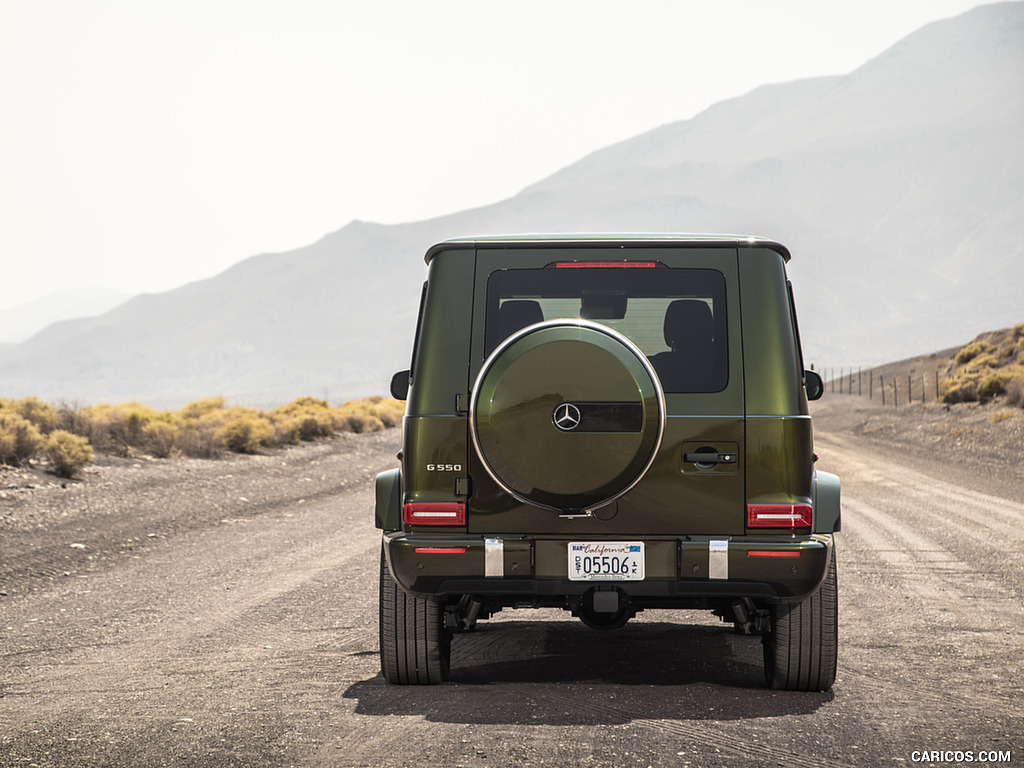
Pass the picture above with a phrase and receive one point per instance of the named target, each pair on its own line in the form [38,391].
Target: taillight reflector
[440,550]
[772,553]
[434,513]
[606,264]
[779,515]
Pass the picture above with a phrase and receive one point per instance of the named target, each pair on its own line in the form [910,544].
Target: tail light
[786,516]
[771,553]
[434,513]
[606,264]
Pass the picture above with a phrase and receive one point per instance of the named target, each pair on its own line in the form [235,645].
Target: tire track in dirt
[985,531]
[910,533]
[217,631]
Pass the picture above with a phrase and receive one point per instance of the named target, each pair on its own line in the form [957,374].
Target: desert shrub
[67,453]
[304,404]
[245,433]
[389,411]
[198,441]
[159,438]
[1015,391]
[960,391]
[971,351]
[43,415]
[983,361]
[117,429]
[314,425]
[70,418]
[199,424]
[305,419]
[358,416]
[197,409]
[1001,416]
[287,430]
[362,422]
[19,438]
[992,385]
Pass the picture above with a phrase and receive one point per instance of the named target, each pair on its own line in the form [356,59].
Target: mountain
[897,187]
[25,320]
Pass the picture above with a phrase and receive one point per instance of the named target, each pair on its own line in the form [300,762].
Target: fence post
[881,388]
[895,393]
[871,386]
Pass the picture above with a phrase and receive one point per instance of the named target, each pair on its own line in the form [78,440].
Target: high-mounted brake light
[606,264]
[434,513]
[779,515]
[440,550]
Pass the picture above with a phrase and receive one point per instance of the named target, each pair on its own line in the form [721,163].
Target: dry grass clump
[206,428]
[29,429]
[246,432]
[990,366]
[119,429]
[67,453]
[19,438]
[305,419]
[372,414]
[971,351]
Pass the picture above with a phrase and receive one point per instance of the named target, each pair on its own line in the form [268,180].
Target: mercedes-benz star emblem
[566,417]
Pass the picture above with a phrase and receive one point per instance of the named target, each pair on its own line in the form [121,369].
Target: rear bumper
[534,569]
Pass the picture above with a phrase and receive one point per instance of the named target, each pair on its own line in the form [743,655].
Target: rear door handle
[711,458]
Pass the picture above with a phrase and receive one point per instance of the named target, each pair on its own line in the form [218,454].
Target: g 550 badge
[444,467]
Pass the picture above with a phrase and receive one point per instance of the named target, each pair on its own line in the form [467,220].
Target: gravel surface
[123,506]
[224,613]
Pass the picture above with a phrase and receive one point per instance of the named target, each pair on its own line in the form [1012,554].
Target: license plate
[606,561]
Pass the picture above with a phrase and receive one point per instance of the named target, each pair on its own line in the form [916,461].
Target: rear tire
[415,647]
[800,651]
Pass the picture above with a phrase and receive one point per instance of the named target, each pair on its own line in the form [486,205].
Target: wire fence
[893,389]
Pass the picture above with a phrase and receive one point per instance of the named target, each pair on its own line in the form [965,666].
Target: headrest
[517,314]
[688,321]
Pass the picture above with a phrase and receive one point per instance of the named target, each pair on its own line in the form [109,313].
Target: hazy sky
[146,144]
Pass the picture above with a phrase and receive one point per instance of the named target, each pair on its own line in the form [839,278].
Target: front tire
[415,647]
[800,651]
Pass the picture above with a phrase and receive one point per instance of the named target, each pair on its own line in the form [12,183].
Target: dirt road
[224,614]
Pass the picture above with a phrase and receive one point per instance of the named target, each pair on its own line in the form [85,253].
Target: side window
[677,317]
[796,329]
[419,329]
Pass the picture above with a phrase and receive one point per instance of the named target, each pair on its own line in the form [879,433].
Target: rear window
[677,317]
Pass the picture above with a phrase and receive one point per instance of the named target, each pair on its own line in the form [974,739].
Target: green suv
[608,424]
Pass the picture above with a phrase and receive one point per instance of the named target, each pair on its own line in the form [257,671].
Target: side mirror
[813,385]
[400,385]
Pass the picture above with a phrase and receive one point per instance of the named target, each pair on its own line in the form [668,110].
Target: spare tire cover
[567,415]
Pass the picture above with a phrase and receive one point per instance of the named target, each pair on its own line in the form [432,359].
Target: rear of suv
[608,424]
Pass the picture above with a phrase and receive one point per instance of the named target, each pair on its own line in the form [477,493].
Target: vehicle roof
[636,239]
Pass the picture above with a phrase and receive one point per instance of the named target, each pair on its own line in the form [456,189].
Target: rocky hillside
[897,187]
